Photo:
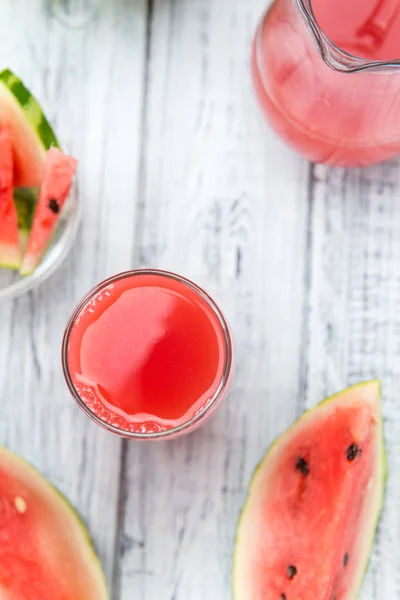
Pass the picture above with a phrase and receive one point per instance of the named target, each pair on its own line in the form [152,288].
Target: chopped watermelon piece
[58,173]
[309,521]
[31,133]
[10,253]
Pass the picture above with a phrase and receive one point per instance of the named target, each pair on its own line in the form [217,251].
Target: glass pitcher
[327,75]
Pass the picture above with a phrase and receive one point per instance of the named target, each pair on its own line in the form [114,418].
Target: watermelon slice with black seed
[309,521]
[10,253]
[58,173]
[45,549]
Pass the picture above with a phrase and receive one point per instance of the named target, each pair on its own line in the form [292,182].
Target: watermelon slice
[45,550]
[31,132]
[10,253]
[58,173]
[307,527]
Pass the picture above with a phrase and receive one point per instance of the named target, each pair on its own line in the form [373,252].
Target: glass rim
[212,402]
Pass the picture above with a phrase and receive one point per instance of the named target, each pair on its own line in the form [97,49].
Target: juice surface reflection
[146,353]
[329,116]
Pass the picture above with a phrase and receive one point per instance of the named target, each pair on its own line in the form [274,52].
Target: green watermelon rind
[25,200]
[73,512]
[84,530]
[85,533]
[303,417]
[30,108]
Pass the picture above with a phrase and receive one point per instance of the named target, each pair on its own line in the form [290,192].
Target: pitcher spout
[346,56]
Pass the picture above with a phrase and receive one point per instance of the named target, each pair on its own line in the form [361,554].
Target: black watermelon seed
[345,559]
[303,466]
[283,596]
[352,452]
[54,206]
[291,571]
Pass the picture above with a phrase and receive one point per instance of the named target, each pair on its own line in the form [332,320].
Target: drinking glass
[93,396]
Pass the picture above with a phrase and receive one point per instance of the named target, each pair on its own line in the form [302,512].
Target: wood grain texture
[225,203]
[353,323]
[179,171]
[90,83]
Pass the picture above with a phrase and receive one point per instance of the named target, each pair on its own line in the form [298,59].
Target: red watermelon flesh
[58,173]
[30,130]
[10,254]
[45,551]
[308,525]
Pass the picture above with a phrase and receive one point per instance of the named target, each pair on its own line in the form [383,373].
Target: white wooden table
[178,171]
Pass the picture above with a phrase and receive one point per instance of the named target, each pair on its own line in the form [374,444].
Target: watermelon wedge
[31,133]
[309,521]
[45,550]
[58,173]
[10,253]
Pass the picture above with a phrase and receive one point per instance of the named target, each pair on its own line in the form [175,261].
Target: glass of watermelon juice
[147,354]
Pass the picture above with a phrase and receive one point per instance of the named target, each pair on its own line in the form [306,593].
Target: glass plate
[13,285]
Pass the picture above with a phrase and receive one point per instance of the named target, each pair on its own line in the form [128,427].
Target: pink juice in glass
[343,113]
[147,354]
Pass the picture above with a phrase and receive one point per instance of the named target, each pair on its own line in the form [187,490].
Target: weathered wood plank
[225,203]
[90,83]
[353,326]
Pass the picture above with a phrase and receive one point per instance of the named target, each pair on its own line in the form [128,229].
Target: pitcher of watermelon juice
[327,75]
